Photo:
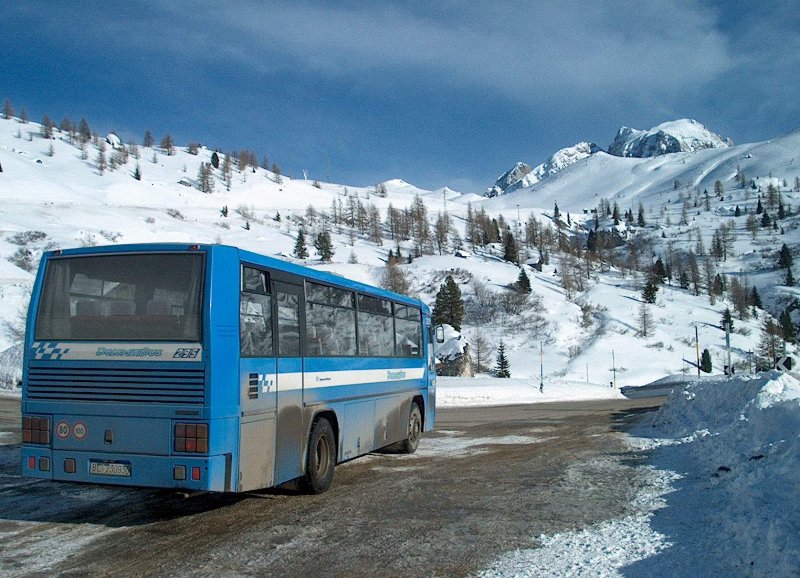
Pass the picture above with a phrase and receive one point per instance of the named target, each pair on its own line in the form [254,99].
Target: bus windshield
[141,297]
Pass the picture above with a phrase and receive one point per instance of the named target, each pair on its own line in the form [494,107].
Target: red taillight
[31,463]
[191,438]
[196,474]
[69,466]
[35,430]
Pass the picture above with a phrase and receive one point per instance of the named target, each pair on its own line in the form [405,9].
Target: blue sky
[436,93]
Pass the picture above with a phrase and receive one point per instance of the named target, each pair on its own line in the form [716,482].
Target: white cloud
[529,53]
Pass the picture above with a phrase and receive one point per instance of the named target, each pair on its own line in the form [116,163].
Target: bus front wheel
[321,458]
[409,445]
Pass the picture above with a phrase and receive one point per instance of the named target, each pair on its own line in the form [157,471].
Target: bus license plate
[110,469]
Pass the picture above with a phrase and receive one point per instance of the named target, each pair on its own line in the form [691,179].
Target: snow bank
[720,499]
[738,443]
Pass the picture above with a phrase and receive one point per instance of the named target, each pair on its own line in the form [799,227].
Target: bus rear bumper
[209,473]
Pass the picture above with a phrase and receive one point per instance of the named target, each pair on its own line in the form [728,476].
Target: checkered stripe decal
[48,350]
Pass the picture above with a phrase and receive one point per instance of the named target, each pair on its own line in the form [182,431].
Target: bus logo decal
[393,375]
[266,382]
[49,351]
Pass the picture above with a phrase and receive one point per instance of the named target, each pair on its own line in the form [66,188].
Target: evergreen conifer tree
[659,271]
[300,250]
[449,305]
[650,291]
[502,369]
[785,257]
[789,281]
[324,246]
[705,362]
[510,252]
[727,317]
[755,298]
[787,327]
[523,284]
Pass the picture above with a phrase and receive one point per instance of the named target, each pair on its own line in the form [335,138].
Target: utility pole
[729,368]
[613,369]
[697,349]
[541,367]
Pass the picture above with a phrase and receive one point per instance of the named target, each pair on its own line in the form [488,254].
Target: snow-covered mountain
[683,135]
[564,158]
[511,180]
[54,194]
[656,180]
[521,175]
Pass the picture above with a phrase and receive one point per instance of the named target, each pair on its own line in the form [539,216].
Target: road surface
[487,481]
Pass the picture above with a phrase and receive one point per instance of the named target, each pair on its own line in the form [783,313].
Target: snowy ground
[719,491]
[484,391]
[722,499]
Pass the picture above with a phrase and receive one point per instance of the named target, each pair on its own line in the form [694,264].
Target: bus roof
[247,256]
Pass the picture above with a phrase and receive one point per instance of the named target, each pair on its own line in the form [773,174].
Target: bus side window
[288,324]
[255,315]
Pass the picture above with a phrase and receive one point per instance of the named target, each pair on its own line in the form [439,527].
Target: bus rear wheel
[409,445]
[321,458]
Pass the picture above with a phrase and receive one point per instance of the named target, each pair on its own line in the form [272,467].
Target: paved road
[487,481]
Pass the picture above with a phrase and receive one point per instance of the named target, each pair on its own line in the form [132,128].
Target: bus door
[290,319]
[431,371]
[257,391]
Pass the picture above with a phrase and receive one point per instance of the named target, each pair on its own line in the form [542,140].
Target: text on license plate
[110,469]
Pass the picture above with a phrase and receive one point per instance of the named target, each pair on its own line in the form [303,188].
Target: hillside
[588,332]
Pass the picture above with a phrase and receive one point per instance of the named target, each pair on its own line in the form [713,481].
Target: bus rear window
[139,297]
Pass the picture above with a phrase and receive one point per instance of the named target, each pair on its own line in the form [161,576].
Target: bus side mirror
[439,334]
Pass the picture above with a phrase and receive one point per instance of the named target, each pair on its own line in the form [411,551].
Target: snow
[725,453]
[486,391]
[683,135]
[601,550]
[719,500]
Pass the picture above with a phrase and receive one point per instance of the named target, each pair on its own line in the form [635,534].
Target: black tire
[409,445]
[321,458]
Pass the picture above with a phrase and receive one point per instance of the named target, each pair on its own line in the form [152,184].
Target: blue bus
[207,367]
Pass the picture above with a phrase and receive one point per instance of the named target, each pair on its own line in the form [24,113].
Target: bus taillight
[35,430]
[191,438]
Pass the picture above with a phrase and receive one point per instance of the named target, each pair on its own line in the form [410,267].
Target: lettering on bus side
[133,352]
[397,374]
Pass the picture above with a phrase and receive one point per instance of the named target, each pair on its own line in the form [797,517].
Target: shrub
[111,236]
[27,237]
[23,258]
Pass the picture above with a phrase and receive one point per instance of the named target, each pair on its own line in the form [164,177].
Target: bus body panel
[290,441]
